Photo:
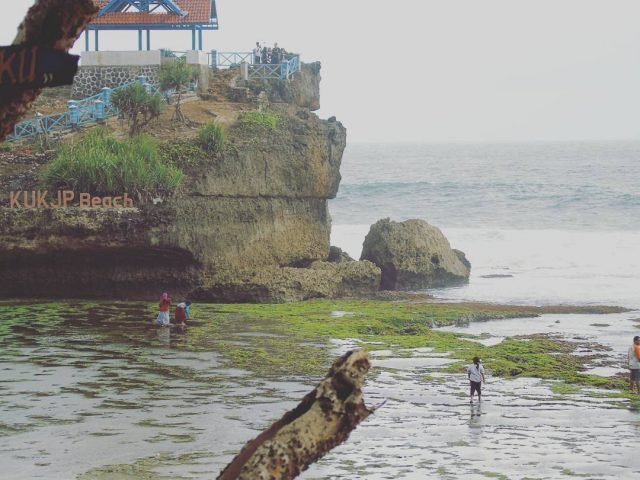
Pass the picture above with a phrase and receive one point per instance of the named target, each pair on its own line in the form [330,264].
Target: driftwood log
[49,23]
[324,419]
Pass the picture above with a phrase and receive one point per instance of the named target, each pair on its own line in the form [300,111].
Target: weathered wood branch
[49,23]
[324,419]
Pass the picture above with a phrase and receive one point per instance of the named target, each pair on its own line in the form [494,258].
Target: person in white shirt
[256,53]
[634,365]
[475,371]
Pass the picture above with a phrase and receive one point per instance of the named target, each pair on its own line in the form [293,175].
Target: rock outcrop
[413,255]
[337,255]
[239,230]
[288,284]
[303,92]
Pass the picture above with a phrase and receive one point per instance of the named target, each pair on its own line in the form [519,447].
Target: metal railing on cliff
[96,108]
[99,107]
[261,71]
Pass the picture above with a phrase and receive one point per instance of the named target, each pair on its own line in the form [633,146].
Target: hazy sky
[447,70]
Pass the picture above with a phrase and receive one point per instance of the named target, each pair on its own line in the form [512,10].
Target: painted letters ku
[32,66]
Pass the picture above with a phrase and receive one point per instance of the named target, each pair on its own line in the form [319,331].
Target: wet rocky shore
[91,390]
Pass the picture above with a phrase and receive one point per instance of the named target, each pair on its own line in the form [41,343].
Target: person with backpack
[475,372]
[163,316]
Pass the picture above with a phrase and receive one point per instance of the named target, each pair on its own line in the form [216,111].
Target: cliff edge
[244,226]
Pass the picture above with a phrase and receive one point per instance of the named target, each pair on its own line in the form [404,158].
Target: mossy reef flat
[402,326]
[299,339]
[124,378]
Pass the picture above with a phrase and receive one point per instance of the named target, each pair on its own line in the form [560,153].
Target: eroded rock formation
[241,228]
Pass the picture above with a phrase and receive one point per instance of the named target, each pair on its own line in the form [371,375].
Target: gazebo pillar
[86,40]
[148,39]
[193,39]
[97,45]
[200,39]
[139,39]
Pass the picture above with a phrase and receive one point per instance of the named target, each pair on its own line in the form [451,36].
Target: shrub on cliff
[183,153]
[137,105]
[264,119]
[211,137]
[100,164]
[176,76]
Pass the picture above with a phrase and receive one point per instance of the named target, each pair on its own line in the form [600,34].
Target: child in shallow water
[163,316]
[181,314]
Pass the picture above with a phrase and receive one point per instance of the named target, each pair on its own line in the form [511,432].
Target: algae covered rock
[413,255]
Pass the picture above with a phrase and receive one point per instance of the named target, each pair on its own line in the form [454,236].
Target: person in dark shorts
[633,357]
[475,372]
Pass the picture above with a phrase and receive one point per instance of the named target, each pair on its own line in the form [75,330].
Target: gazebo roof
[125,12]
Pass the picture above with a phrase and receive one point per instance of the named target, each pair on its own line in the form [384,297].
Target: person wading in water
[163,317]
[475,371]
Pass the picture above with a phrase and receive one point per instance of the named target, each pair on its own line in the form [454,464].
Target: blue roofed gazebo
[147,15]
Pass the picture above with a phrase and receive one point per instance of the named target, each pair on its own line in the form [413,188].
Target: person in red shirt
[163,316]
[181,314]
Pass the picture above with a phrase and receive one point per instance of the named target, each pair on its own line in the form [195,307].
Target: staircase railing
[95,108]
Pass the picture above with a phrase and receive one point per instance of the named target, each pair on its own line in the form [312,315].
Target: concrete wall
[197,57]
[112,69]
[124,58]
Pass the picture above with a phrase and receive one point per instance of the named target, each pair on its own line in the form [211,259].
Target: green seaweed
[382,325]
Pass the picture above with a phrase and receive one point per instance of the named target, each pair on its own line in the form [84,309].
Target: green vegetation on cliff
[98,163]
[212,137]
[269,120]
[139,106]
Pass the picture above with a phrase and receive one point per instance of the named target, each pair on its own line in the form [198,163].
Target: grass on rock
[98,163]
[268,120]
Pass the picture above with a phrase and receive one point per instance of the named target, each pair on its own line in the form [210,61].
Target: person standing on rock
[475,372]
[633,357]
[275,54]
[256,54]
[163,316]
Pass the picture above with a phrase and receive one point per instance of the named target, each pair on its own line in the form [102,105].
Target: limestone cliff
[259,206]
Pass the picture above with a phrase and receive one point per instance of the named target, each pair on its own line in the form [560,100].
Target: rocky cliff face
[260,206]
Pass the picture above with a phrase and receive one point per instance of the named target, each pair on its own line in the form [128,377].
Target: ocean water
[541,223]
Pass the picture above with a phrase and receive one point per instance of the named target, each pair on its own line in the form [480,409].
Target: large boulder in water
[413,255]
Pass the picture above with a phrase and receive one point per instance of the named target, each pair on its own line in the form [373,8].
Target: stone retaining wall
[91,79]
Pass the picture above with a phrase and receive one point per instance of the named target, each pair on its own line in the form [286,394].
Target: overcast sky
[446,70]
